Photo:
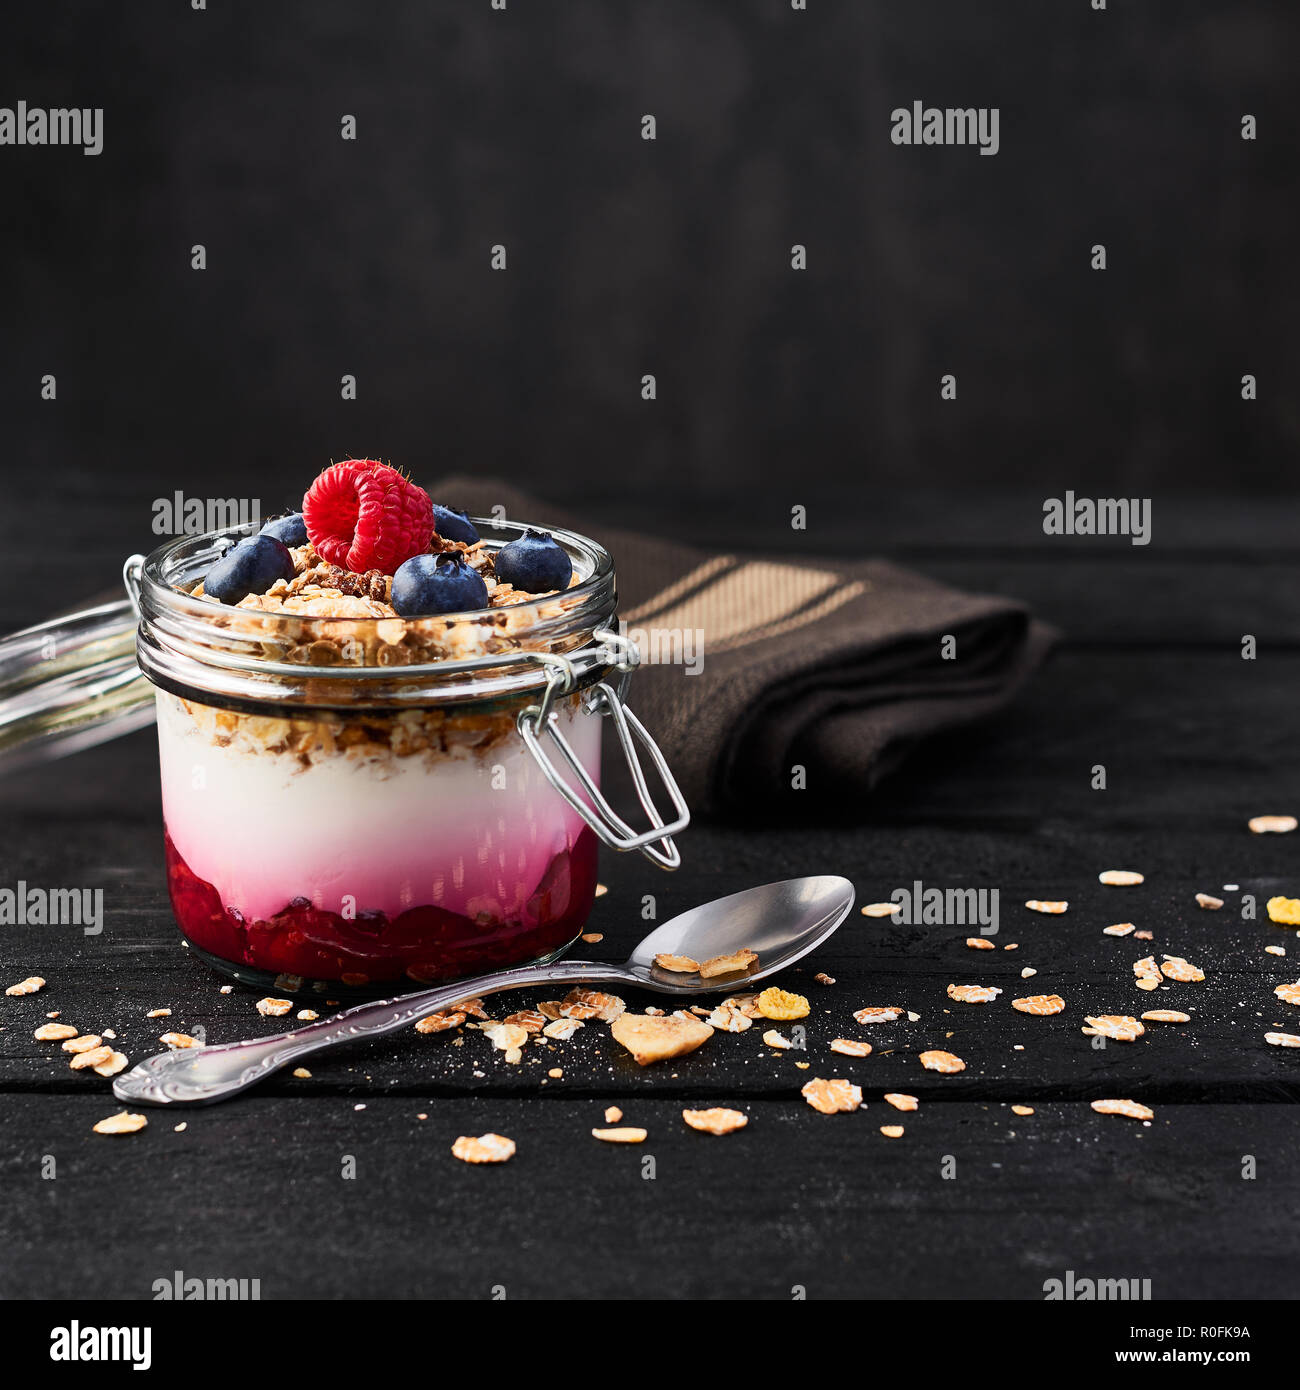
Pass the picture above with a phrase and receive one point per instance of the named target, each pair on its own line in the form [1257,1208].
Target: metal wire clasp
[537,721]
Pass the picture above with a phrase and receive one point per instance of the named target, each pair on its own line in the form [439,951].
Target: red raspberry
[364,515]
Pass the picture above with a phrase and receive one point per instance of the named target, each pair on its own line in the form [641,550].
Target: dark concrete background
[328,257]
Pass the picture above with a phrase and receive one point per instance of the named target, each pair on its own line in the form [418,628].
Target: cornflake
[774,1039]
[945,1062]
[273,1008]
[656,1039]
[880,909]
[1119,929]
[1282,1039]
[850,1047]
[782,1006]
[900,1101]
[1271,825]
[728,964]
[979,943]
[878,1014]
[892,1131]
[28,986]
[1120,878]
[628,1135]
[682,965]
[487,1148]
[1210,902]
[973,994]
[54,1032]
[439,1023]
[1166,1016]
[1120,1027]
[1054,908]
[1176,968]
[716,1121]
[121,1123]
[1039,1004]
[1129,1108]
[1290,994]
[1283,910]
[833,1096]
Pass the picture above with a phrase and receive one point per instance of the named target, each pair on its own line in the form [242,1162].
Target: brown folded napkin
[831,666]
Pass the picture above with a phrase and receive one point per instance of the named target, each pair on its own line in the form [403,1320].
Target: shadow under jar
[353,805]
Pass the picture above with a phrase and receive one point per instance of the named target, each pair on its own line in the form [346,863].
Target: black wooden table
[334,1186]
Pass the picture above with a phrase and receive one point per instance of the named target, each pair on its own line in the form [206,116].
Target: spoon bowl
[780,922]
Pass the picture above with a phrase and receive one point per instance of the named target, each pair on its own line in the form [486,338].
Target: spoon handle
[201,1076]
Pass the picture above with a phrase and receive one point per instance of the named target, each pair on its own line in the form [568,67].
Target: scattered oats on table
[121,1123]
[528,1019]
[1207,900]
[979,943]
[850,1047]
[1166,1016]
[1054,908]
[946,1062]
[177,1041]
[774,1039]
[1040,1005]
[1271,825]
[1119,929]
[613,1114]
[439,1023]
[1282,1039]
[28,986]
[302,1073]
[1028,973]
[1120,878]
[901,1101]
[592,937]
[159,1013]
[113,1064]
[832,1096]
[1176,968]
[273,1008]
[878,1014]
[601,890]
[307,1015]
[1119,1027]
[84,1043]
[562,1029]
[54,1032]
[555,1073]
[973,994]
[880,909]
[487,1148]
[1022,1109]
[892,1131]
[1275,950]
[629,1134]
[1290,994]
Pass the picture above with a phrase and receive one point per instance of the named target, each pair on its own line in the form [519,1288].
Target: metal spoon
[779,921]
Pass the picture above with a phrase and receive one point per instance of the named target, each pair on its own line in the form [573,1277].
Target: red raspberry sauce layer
[422,944]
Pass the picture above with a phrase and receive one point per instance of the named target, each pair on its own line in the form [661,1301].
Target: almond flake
[1207,901]
[851,1048]
[892,1131]
[901,1101]
[880,909]
[121,1123]
[1054,908]
[487,1148]
[1272,825]
[54,1032]
[716,1121]
[979,943]
[973,994]
[1120,1027]
[629,1134]
[681,965]
[657,1039]
[1120,878]
[1129,1108]
[945,1062]
[1039,1005]
[729,964]
[1166,1016]
[1119,929]
[439,1023]
[273,1008]
[833,1096]
[878,1014]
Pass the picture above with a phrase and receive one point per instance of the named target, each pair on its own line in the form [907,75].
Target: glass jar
[354,804]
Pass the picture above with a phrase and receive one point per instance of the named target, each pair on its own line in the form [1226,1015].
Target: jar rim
[250,657]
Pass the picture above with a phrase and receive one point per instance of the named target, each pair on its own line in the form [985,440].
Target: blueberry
[428,584]
[250,568]
[534,563]
[291,529]
[452,525]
